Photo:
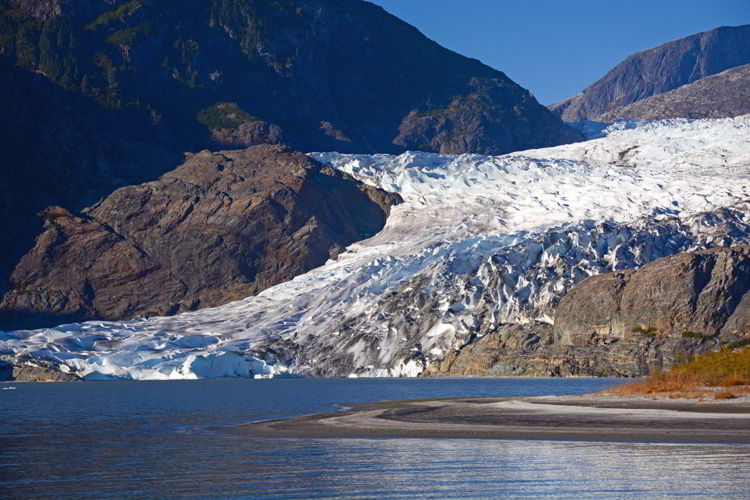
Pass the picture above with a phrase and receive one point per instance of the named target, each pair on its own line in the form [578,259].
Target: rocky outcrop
[15,370]
[658,70]
[624,323]
[533,350]
[220,227]
[718,96]
[700,294]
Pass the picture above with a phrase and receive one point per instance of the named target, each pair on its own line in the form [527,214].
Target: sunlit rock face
[723,95]
[693,294]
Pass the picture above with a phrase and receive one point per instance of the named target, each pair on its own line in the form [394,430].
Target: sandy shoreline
[577,418]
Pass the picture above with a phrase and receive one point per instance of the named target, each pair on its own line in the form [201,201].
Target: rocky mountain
[98,95]
[220,227]
[726,94]
[659,70]
[479,256]
[318,74]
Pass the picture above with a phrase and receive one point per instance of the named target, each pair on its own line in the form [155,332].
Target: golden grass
[725,394]
[729,369]
[732,381]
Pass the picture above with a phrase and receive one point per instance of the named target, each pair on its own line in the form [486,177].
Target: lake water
[175,439]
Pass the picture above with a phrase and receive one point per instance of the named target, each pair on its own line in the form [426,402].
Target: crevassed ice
[458,212]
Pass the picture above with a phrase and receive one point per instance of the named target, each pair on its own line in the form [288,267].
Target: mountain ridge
[347,54]
[725,94]
[660,69]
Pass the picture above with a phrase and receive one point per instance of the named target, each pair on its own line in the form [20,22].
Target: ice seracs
[479,241]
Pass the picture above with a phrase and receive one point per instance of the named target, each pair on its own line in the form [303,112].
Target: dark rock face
[694,294]
[303,67]
[660,70]
[220,227]
[624,323]
[725,95]
[62,149]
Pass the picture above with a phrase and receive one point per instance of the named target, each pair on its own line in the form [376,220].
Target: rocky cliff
[220,227]
[658,70]
[625,323]
[724,95]
[698,294]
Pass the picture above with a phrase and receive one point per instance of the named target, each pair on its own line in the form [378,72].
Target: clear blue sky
[556,48]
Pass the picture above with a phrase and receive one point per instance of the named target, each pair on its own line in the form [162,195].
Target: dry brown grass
[725,394]
[698,378]
[732,381]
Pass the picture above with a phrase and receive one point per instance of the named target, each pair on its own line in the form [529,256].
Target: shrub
[224,115]
[725,368]
[700,336]
[120,13]
[738,343]
[724,395]
[124,36]
[648,332]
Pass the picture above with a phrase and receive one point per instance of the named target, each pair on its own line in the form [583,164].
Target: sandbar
[565,418]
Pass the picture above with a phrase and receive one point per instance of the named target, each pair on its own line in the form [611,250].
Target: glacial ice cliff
[479,241]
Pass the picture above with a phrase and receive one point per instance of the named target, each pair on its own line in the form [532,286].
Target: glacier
[479,241]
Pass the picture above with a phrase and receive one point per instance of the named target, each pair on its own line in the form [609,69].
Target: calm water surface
[173,439]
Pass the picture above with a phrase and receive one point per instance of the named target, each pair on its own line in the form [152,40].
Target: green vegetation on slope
[120,13]
[224,115]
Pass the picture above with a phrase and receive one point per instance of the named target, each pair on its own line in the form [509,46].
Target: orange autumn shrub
[726,368]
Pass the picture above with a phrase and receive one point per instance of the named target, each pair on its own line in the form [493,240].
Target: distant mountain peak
[658,70]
